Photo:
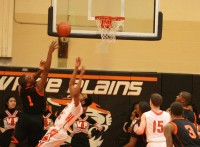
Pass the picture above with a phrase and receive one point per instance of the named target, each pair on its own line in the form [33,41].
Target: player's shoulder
[148,113]
[166,113]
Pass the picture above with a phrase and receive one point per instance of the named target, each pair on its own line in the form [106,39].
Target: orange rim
[106,21]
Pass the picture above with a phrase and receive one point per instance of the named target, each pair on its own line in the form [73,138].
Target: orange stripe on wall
[97,77]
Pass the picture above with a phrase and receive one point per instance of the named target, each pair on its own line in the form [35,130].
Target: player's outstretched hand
[42,64]
[53,46]
[78,62]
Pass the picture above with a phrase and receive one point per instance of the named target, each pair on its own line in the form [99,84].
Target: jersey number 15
[158,126]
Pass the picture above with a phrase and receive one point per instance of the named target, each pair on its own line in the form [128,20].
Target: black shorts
[80,140]
[29,127]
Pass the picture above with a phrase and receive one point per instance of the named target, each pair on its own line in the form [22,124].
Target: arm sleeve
[91,120]
[98,129]
[95,124]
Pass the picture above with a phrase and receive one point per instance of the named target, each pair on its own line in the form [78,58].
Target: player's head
[176,109]
[135,110]
[143,107]
[156,100]
[10,102]
[86,100]
[184,97]
[26,80]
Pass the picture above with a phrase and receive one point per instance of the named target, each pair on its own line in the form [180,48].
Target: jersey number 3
[158,126]
[191,131]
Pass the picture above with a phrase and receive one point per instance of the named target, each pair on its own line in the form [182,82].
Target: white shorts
[54,137]
[57,134]
[157,144]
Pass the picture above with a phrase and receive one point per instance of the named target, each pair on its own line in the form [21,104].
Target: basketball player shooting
[31,92]
[57,134]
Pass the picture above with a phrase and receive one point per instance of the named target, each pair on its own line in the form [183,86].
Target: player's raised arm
[39,72]
[168,129]
[78,86]
[76,90]
[140,129]
[73,77]
[46,67]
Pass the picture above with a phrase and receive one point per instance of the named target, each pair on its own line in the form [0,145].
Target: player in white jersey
[153,122]
[57,134]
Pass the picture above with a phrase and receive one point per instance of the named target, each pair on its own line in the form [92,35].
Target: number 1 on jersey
[30,100]
[158,126]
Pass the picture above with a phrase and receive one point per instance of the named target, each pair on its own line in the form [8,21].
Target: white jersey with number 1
[155,123]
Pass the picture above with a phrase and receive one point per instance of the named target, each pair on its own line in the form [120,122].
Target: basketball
[63,29]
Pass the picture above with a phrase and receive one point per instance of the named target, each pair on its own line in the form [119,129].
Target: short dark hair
[176,108]
[88,101]
[186,96]
[156,99]
[22,81]
[144,106]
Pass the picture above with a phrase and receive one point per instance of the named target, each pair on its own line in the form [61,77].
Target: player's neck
[155,109]
[177,117]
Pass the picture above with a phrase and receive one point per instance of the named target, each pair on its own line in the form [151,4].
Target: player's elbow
[139,131]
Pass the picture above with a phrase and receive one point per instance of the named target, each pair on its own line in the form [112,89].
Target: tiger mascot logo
[102,116]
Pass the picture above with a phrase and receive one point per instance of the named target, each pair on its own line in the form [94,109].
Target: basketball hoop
[108,26]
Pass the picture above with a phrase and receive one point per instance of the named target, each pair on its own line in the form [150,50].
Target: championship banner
[113,95]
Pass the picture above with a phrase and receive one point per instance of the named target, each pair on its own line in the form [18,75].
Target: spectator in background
[49,118]
[9,118]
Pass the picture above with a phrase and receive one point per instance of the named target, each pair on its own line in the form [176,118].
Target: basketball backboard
[143,19]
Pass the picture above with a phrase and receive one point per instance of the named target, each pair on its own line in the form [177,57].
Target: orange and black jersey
[190,115]
[141,139]
[33,101]
[185,134]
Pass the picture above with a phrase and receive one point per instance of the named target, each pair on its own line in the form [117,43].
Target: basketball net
[108,26]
